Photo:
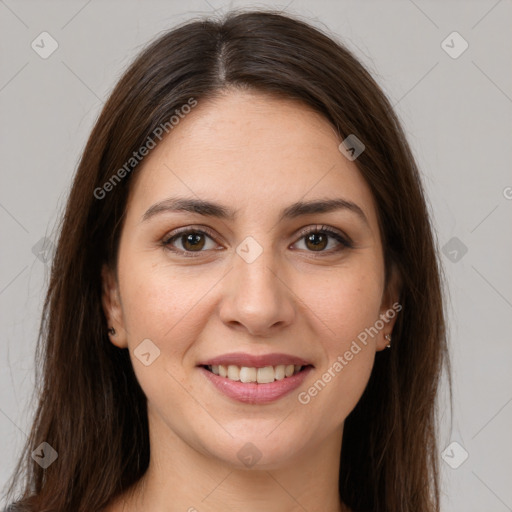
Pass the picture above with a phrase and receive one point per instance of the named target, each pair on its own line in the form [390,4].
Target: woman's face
[249,282]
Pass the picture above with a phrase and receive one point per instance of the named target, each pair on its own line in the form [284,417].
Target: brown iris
[317,245]
[190,241]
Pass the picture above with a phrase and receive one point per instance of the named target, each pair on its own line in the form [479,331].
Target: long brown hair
[91,409]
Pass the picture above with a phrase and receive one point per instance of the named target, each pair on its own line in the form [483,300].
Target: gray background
[456,111]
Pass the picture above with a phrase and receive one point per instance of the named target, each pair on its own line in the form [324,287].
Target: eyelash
[345,242]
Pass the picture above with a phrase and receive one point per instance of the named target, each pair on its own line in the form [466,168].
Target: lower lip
[253,393]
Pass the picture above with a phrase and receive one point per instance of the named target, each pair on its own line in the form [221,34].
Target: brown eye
[191,241]
[317,238]
[318,241]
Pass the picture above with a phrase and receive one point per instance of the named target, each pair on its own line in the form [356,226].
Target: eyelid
[338,235]
[333,232]
[192,228]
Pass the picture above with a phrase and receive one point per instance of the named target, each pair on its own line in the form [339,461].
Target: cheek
[164,307]
[346,306]
[159,301]
[169,306]
[346,301]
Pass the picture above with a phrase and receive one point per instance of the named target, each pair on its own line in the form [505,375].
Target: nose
[256,296]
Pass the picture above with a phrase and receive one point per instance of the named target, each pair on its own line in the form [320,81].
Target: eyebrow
[211,209]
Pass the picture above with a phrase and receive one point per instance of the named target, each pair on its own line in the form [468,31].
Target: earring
[112,331]
[388,337]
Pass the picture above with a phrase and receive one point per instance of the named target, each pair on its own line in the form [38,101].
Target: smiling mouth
[263,375]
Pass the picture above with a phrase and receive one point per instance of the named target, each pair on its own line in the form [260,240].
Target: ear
[390,308]
[112,308]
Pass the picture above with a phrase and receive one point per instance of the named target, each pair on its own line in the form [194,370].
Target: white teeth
[233,372]
[248,374]
[266,375]
[263,375]
[280,372]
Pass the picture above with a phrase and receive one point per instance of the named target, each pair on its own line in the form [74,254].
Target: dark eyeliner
[166,241]
[342,238]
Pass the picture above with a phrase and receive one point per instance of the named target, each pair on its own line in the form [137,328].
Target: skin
[257,155]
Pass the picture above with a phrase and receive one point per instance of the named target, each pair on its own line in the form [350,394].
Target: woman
[245,305]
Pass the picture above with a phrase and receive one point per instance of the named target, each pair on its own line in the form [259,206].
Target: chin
[258,452]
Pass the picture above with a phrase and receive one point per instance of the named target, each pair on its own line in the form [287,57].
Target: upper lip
[253,361]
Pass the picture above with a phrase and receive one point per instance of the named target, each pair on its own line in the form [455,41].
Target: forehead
[247,148]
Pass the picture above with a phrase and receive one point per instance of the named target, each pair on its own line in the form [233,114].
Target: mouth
[256,375]
[259,384]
